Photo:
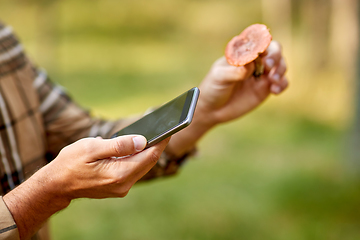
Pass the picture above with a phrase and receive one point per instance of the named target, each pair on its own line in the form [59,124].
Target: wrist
[51,186]
[41,188]
[33,202]
[185,140]
[204,118]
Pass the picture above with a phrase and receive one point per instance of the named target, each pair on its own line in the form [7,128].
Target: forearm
[33,202]
[185,140]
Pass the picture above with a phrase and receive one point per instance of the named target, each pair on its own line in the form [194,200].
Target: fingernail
[139,143]
[276,77]
[269,63]
[275,89]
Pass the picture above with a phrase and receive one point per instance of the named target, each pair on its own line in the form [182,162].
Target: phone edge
[186,122]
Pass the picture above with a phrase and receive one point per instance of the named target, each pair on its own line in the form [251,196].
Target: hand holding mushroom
[236,84]
[233,87]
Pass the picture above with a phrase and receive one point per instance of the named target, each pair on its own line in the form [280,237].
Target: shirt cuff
[8,228]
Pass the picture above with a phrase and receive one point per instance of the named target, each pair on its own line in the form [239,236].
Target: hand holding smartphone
[166,120]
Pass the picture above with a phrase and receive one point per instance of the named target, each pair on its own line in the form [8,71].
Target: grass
[250,181]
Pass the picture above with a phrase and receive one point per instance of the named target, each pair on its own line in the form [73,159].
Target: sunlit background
[282,172]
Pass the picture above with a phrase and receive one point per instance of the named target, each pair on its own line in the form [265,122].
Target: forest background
[285,171]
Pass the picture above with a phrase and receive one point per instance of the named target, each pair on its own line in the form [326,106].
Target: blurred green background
[282,172]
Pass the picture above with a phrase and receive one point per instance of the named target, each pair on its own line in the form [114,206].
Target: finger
[278,72]
[115,147]
[272,56]
[134,167]
[228,73]
[274,46]
[221,62]
[153,153]
[141,163]
[277,88]
[152,156]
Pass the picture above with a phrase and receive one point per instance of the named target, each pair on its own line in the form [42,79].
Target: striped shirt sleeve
[8,228]
[64,121]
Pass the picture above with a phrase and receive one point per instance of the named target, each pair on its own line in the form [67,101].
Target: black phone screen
[162,119]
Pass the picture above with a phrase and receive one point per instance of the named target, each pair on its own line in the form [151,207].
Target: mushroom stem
[259,67]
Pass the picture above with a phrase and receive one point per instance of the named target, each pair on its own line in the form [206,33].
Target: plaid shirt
[38,119]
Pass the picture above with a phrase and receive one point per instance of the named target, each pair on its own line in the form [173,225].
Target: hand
[98,168]
[91,167]
[229,92]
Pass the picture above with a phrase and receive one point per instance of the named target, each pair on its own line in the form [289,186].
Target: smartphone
[165,120]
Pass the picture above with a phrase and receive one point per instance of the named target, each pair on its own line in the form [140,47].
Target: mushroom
[248,46]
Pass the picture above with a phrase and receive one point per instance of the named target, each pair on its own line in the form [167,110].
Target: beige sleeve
[8,228]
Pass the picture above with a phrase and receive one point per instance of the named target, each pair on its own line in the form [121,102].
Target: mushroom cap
[248,45]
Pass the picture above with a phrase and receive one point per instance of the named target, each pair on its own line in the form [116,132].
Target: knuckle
[285,84]
[215,71]
[219,61]
[120,179]
[119,146]
[65,150]
[283,63]
[123,194]
[87,146]
[154,156]
[116,178]
[123,190]
[121,185]
[276,44]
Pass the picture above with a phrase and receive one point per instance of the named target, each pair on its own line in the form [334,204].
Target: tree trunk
[355,134]
[344,35]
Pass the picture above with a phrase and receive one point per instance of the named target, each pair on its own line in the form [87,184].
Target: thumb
[119,146]
[232,74]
